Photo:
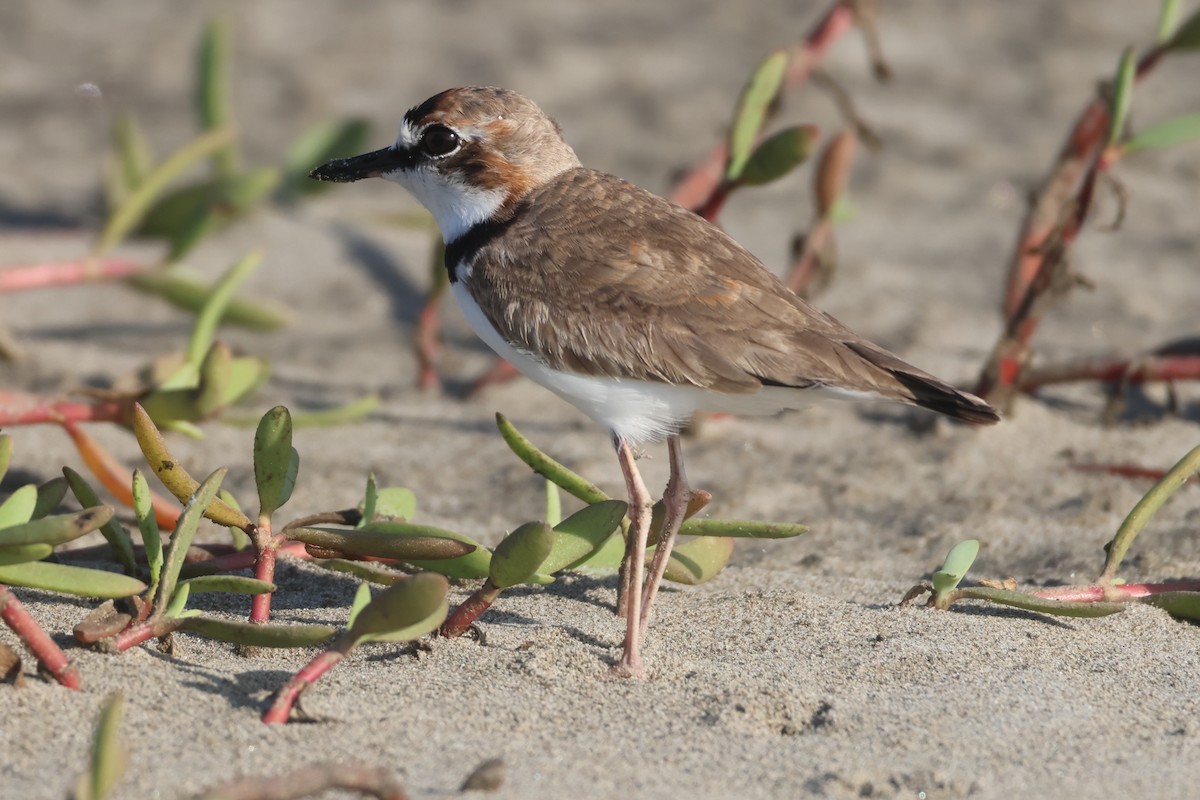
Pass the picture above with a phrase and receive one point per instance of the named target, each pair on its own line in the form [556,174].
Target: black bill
[368,165]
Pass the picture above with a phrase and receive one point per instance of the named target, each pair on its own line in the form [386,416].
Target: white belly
[637,411]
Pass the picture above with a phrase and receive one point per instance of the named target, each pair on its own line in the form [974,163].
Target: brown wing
[623,283]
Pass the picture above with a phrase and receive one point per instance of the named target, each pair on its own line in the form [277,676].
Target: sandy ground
[794,673]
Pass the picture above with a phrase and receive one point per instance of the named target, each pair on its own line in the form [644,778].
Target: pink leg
[640,506]
[675,502]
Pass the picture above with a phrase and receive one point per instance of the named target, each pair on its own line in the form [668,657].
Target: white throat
[455,206]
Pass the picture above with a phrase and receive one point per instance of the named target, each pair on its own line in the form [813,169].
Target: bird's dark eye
[439,140]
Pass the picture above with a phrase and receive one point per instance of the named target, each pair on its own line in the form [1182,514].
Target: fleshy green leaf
[1185,605]
[519,555]
[259,635]
[546,466]
[698,560]
[182,290]
[741,529]
[228,584]
[394,503]
[22,553]
[55,530]
[67,579]
[370,500]
[214,308]
[109,757]
[276,462]
[126,217]
[1122,96]
[172,474]
[6,451]
[779,155]
[553,504]
[417,543]
[147,522]
[1172,132]
[1187,35]
[1028,602]
[114,533]
[361,597]
[580,535]
[757,96]
[212,88]
[19,506]
[954,568]
[50,496]
[181,538]
[404,611]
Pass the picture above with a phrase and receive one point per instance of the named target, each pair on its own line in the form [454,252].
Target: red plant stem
[695,189]
[500,372]
[281,707]
[18,408]
[239,559]
[1081,148]
[265,545]
[144,631]
[1126,471]
[37,276]
[470,610]
[48,654]
[1118,591]
[1136,370]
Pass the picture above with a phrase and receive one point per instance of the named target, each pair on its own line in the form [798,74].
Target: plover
[633,309]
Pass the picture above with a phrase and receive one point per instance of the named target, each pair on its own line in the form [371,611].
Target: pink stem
[18,408]
[281,707]
[144,631]
[470,610]
[36,276]
[264,570]
[48,654]
[1118,591]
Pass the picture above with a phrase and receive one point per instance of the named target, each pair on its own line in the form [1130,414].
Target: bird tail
[919,388]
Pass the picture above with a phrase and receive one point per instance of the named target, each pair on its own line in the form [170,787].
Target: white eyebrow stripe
[407,137]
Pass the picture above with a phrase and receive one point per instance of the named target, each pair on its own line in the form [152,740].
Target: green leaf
[276,462]
[212,88]
[184,217]
[22,553]
[227,584]
[238,536]
[1028,602]
[109,759]
[553,504]
[361,597]
[19,506]
[753,105]
[50,496]
[317,145]
[178,602]
[184,291]
[172,474]
[147,522]
[393,503]
[779,155]
[741,529]
[114,533]
[1122,96]
[214,308]
[416,544]
[1187,35]
[257,634]
[404,611]
[697,561]
[127,216]
[370,571]
[66,579]
[954,568]
[582,534]
[181,538]
[6,451]
[607,558]
[519,555]
[131,159]
[57,529]
[370,499]
[354,411]
[1185,605]
[1145,508]
[1168,14]
[546,466]
[1172,132]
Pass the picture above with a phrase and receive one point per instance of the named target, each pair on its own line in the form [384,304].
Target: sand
[794,673]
